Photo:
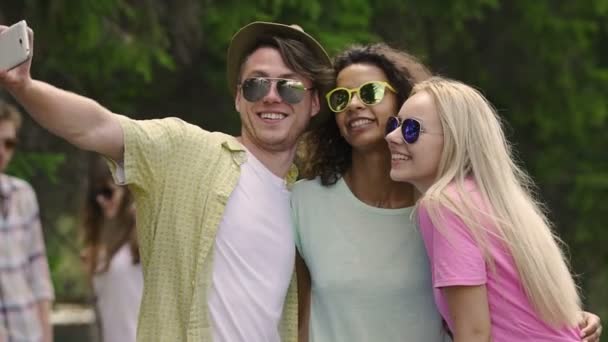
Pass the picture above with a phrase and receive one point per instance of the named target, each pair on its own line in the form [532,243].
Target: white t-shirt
[253,258]
[118,292]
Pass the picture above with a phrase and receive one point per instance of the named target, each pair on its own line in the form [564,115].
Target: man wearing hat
[212,210]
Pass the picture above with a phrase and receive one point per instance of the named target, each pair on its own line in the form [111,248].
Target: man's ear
[237,100]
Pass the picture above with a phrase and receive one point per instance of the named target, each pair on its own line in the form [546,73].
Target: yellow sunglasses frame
[350,92]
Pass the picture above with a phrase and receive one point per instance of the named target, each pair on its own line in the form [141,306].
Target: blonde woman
[498,270]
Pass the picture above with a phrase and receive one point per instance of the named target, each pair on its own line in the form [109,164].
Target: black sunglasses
[291,91]
[106,192]
[410,128]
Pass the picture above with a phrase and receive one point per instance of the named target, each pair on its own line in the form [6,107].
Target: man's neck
[278,162]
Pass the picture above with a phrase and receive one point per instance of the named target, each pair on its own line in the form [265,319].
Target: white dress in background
[118,292]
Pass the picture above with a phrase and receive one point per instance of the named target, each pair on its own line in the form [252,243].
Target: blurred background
[543,63]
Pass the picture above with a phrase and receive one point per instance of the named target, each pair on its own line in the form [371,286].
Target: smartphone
[14,46]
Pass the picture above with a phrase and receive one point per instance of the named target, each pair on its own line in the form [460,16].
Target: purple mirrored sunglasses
[410,128]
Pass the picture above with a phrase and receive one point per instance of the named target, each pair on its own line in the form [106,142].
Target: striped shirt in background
[24,271]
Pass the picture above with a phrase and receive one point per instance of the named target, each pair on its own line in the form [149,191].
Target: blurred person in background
[111,254]
[26,291]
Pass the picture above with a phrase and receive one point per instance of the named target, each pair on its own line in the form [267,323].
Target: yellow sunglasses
[370,93]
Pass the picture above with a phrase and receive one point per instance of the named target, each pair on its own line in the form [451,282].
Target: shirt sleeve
[37,268]
[150,146]
[455,256]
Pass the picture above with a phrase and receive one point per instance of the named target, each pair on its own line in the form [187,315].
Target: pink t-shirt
[456,259]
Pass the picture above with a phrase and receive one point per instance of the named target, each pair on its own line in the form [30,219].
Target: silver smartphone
[14,46]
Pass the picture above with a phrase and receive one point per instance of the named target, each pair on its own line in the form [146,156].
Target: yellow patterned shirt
[181,177]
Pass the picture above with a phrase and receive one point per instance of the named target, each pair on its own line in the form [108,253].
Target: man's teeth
[400,157]
[359,122]
[273,116]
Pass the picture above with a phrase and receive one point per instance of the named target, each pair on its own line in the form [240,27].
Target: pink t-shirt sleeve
[455,257]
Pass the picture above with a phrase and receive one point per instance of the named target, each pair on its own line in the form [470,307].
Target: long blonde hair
[475,147]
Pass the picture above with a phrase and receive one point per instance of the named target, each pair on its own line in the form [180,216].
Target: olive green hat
[247,37]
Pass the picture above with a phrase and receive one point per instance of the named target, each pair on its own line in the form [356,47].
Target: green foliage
[67,270]
[97,45]
[27,165]
[544,64]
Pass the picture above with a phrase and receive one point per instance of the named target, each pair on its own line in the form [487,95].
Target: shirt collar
[292,176]
[236,149]
[239,155]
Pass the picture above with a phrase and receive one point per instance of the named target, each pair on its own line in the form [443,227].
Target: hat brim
[248,37]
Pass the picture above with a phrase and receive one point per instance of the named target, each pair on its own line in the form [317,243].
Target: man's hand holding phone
[16,50]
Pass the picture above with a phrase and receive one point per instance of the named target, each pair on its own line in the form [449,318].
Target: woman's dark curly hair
[324,152]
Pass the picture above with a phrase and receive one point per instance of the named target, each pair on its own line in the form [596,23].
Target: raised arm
[79,120]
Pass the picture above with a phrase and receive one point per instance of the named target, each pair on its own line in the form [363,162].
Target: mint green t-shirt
[368,266]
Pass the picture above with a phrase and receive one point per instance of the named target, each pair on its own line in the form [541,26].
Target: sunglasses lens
[372,93]
[391,124]
[410,130]
[291,91]
[106,192]
[255,88]
[338,100]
